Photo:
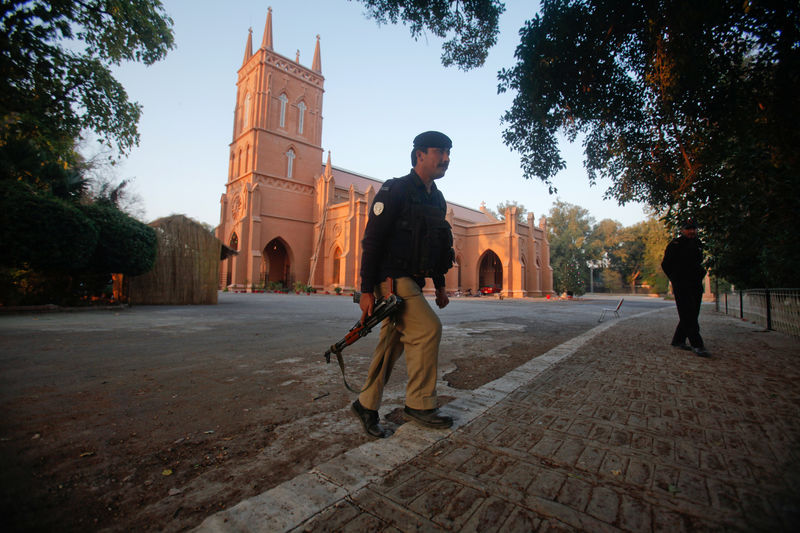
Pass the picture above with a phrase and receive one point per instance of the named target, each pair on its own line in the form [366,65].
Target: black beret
[433,139]
[689,224]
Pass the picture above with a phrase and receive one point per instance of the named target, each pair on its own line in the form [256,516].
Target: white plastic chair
[614,310]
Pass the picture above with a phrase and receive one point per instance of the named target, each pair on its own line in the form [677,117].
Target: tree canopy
[471,25]
[55,77]
[688,106]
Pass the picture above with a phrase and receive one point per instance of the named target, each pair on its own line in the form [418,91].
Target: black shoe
[681,345]
[702,352]
[428,417]
[369,419]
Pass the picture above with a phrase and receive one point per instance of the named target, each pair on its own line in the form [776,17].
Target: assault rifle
[384,308]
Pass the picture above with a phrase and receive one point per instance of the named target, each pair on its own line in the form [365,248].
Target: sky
[382,88]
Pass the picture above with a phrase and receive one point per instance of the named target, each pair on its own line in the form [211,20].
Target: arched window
[247,109]
[301,115]
[284,100]
[247,159]
[289,162]
[337,266]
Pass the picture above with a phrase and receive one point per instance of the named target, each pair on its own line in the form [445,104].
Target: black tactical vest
[422,243]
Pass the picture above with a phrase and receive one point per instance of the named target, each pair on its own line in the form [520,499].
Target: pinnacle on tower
[316,65]
[248,48]
[266,42]
[329,167]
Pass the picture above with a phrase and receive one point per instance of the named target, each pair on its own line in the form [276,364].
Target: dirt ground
[145,448]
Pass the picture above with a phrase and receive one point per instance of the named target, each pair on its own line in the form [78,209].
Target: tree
[688,106]
[472,25]
[55,77]
[56,84]
[500,214]
[629,256]
[656,237]
[603,240]
[568,228]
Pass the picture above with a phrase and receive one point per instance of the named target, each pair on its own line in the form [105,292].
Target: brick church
[295,217]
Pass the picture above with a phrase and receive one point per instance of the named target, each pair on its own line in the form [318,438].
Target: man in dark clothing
[683,264]
[407,239]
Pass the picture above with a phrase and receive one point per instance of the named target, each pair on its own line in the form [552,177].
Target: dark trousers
[688,303]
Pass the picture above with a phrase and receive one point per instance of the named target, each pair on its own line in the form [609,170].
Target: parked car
[491,289]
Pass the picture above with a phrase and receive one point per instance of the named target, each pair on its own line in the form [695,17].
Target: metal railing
[775,309]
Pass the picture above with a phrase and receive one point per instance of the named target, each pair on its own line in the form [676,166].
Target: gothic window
[284,100]
[289,162]
[301,109]
[247,108]
[337,266]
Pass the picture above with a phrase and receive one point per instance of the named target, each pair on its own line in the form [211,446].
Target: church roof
[344,178]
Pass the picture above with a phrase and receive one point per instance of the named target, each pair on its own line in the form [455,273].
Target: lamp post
[592,265]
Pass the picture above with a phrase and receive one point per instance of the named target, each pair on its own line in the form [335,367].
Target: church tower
[268,209]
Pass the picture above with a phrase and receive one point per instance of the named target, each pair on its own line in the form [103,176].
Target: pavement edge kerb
[290,504]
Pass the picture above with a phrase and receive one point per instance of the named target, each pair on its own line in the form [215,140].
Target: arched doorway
[275,263]
[458,268]
[490,273]
[234,245]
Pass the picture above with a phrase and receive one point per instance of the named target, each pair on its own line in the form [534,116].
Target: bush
[43,232]
[125,245]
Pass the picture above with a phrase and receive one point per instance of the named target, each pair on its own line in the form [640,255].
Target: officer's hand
[441,297]
[367,305]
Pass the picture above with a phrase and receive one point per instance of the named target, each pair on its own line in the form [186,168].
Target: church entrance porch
[275,264]
[490,273]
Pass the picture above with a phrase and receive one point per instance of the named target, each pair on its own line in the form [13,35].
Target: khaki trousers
[415,329]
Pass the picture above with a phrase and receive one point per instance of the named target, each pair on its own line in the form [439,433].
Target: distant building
[294,218]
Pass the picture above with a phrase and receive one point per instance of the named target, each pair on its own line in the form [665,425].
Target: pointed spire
[316,66]
[267,41]
[248,48]
[329,167]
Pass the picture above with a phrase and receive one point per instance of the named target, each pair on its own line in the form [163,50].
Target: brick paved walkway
[613,431]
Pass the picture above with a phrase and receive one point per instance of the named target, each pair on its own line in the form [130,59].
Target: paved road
[268,328]
[233,398]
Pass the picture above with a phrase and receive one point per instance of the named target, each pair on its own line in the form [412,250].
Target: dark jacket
[387,243]
[683,263]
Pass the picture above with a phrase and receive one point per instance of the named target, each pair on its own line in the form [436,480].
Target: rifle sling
[351,389]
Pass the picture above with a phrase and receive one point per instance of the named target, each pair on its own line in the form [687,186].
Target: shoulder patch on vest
[377,208]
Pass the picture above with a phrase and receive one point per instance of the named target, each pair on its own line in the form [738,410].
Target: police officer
[683,264]
[407,239]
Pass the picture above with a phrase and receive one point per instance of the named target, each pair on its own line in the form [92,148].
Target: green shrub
[125,245]
[43,232]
